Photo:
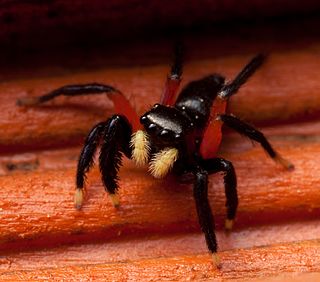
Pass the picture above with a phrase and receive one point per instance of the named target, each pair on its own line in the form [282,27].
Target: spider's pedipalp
[162,162]
[140,146]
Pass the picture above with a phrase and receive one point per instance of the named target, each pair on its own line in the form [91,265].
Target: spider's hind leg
[215,165]
[242,77]
[206,220]
[254,134]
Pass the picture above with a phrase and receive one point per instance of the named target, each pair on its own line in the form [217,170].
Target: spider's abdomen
[196,99]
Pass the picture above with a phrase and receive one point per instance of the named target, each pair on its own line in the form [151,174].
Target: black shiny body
[183,124]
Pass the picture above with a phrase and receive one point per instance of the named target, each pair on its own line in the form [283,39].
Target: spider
[180,134]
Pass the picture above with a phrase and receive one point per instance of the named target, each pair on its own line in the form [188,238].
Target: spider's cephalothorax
[181,134]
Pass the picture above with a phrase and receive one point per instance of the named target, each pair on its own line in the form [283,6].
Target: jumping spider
[181,134]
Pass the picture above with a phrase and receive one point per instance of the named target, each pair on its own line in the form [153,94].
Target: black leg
[232,87]
[86,160]
[116,141]
[86,157]
[69,90]
[174,78]
[230,184]
[177,65]
[254,134]
[206,221]
[121,104]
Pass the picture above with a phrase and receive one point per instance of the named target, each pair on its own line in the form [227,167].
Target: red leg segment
[170,91]
[212,135]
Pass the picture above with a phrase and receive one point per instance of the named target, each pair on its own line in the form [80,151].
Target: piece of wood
[289,259]
[154,206]
[124,249]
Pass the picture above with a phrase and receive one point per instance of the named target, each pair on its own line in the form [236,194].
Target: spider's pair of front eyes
[164,123]
[154,129]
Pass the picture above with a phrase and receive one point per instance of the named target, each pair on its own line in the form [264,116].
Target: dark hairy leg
[230,184]
[174,78]
[121,103]
[116,140]
[115,134]
[232,87]
[206,220]
[254,134]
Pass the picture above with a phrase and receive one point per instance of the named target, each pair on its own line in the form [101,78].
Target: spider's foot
[216,260]
[115,200]
[78,198]
[28,101]
[228,224]
[285,163]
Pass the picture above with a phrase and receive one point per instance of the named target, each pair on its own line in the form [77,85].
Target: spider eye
[143,119]
[152,126]
[164,133]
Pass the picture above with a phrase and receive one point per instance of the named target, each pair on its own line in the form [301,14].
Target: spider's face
[164,133]
[166,126]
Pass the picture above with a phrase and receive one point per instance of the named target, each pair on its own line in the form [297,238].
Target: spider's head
[165,131]
[166,126]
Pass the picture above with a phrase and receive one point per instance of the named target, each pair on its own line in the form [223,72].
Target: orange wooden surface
[155,233]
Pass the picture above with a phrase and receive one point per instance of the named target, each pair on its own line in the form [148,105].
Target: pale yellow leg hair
[79,197]
[115,200]
[216,260]
[28,101]
[285,163]
[162,162]
[228,224]
[140,147]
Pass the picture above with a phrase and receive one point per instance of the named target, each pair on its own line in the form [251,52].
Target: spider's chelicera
[181,134]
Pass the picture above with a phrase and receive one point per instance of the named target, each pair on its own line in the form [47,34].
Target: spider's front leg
[115,134]
[206,221]
[121,103]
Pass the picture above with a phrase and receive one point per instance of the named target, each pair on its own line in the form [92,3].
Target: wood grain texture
[293,259]
[156,205]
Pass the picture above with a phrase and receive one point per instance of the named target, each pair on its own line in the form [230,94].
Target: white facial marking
[162,162]
[140,147]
